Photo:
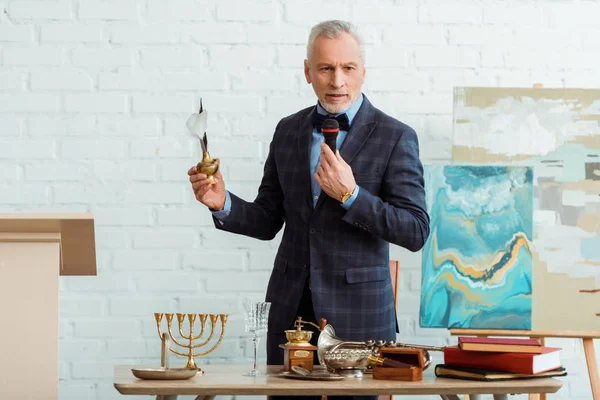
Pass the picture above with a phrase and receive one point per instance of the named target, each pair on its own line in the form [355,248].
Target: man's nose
[337,78]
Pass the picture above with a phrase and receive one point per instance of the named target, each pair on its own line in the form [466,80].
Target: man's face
[336,72]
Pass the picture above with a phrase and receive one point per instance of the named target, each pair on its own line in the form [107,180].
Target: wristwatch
[347,195]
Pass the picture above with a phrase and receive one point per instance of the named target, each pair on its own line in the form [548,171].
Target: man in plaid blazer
[339,210]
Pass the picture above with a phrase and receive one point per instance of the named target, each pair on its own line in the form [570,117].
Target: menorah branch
[182,334]
[216,344]
[169,317]
[178,353]
[212,332]
[180,318]
[202,323]
[174,338]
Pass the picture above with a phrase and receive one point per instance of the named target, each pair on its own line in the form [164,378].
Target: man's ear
[306,74]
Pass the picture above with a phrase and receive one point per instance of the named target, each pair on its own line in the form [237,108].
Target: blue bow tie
[342,119]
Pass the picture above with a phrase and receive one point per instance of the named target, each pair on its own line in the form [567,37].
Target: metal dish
[164,373]
[312,377]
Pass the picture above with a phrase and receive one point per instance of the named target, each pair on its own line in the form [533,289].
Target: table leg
[500,397]
[205,398]
[449,397]
[475,397]
[542,396]
[590,357]
[166,397]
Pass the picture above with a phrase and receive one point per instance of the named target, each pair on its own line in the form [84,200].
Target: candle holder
[191,338]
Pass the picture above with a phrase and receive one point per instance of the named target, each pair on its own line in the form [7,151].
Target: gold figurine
[191,338]
[197,124]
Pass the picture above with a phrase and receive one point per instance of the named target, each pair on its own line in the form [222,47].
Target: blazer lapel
[362,127]
[305,130]
[360,130]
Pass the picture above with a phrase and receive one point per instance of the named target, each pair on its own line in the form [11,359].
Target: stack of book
[488,359]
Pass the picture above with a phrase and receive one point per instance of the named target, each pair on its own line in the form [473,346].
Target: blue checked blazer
[345,252]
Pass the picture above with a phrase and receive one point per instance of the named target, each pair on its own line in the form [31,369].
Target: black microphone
[330,130]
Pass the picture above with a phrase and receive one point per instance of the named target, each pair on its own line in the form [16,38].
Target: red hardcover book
[514,345]
[518,363]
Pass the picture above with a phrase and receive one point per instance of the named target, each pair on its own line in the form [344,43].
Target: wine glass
[257,317]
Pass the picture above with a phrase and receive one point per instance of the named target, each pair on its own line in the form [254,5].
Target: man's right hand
[211,195]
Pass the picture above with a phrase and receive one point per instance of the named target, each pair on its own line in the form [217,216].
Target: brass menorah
[191,338]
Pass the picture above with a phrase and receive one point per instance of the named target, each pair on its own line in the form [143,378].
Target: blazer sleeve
[264,217]
[399,213]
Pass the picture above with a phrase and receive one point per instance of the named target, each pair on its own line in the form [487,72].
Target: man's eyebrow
[326,64]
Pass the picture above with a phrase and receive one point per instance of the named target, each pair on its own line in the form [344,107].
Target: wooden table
[229,380]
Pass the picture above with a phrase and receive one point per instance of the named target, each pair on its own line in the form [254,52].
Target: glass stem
[255,340]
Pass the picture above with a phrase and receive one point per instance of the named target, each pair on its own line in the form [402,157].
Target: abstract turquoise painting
[477,263]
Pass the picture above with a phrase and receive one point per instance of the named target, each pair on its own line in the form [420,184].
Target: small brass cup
[208,166]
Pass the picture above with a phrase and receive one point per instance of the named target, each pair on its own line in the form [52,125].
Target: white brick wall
[94,95]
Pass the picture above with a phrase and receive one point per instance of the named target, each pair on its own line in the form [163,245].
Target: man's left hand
[334,175]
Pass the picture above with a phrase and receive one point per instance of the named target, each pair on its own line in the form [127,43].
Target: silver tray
[164,373]
[311,377]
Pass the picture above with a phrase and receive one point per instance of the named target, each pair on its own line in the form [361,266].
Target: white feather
[197,123]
